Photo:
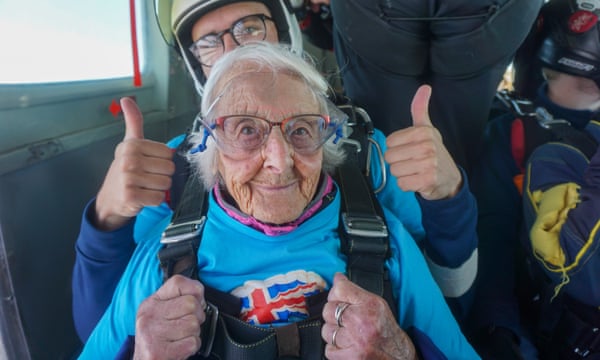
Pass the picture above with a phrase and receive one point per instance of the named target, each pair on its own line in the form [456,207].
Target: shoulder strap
[182,172]
[363,230]
[181,239]
[567,134]
[534,126]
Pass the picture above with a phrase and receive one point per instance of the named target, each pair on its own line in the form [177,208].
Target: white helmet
[176,18]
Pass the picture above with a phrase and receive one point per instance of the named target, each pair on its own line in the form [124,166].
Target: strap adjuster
[209,329]
[365,226]
[547,121]
[588,342]
[179,232]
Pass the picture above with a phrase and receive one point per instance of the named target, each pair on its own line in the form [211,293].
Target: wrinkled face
[224,17]
[273,183]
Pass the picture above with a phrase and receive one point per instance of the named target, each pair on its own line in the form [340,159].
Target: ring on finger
[334,336]
[339,310]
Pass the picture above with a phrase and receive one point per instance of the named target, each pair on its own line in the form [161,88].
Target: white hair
[265,58]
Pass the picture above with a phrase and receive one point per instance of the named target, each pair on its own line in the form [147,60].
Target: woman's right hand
[168,322]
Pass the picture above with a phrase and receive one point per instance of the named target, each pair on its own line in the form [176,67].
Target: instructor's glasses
[209,48]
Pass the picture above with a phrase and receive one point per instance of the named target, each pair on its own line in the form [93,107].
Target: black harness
[364,240]
[540,127]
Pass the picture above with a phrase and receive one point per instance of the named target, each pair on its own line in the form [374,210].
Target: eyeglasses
[248,29]
[240,135]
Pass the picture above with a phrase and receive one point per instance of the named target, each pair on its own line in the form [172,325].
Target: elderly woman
[271,234]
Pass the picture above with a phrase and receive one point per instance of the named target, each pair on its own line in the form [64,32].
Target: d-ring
[333,337]
[339,310]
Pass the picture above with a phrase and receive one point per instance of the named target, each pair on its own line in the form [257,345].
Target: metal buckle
[546,120]
[588,343]
[212,315]
[522,107]
[179,232]
[372,226]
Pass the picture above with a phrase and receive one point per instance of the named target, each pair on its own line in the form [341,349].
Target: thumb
[419,108]
[134,122]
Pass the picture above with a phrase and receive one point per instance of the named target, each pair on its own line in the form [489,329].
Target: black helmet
[176,18]
[569,35]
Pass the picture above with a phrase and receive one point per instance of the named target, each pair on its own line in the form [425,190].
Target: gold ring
[339,310]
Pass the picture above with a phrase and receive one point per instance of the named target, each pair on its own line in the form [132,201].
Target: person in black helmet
[541,187]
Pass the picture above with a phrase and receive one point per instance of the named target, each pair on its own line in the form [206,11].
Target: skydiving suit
[387,49]
[561,202]
[296,258]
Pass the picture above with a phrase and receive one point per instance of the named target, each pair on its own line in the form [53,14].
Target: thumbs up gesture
[138,176]
[417,155]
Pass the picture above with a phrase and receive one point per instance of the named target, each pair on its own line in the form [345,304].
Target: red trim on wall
[137,76]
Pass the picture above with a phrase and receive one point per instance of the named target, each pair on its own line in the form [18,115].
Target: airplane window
[49,41]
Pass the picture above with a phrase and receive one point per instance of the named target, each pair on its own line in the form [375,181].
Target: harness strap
[182,172]
[233,338]
[581,337]
[576,332]
[526,135]
[236,339]
[363,231]
[538,127]
[181,238]
[364,239]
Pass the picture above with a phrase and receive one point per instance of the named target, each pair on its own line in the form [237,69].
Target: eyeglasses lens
[245,134]
[248,29]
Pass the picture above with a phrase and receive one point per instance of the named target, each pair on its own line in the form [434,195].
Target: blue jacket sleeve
[446,231]
[562,214]
[100,259]
[450,246]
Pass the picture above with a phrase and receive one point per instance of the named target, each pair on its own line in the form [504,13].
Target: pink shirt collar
[270,229]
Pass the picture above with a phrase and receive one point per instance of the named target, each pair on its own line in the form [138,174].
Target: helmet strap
[197,83]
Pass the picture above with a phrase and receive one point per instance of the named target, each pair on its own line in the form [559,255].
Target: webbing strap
[363,231]
[534,126]
[573,331]
[237,339]
[579,139]
[181,238]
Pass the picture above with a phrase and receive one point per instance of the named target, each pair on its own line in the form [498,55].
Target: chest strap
[233,338]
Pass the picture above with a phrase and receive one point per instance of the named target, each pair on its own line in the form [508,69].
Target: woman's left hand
[360,325]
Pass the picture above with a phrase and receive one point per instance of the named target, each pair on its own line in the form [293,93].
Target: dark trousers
[386,49]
